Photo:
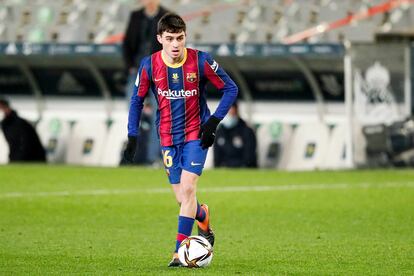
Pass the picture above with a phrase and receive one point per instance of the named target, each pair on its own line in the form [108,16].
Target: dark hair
[172,23]
[4,102]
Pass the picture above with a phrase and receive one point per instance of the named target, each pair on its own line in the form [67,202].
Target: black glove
[130,149]
[208,132]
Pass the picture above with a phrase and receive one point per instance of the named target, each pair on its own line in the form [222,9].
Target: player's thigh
[193,157]
[171,157]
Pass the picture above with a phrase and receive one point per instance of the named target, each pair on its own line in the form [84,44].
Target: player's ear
[159,38]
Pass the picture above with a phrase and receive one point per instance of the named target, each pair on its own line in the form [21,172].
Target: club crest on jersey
[175,77]
[191,77]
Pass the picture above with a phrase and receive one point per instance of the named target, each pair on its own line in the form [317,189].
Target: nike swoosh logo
[159,79]
[195,164]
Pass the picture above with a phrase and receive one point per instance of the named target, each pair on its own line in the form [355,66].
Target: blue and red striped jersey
[180,93]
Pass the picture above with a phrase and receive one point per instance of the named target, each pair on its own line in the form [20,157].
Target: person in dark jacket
[24,143]
[141,34]
[141,40]
[235,144]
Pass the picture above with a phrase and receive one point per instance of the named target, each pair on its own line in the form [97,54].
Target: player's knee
[187,192]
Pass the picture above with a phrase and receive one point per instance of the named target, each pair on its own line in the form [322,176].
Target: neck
[173,60]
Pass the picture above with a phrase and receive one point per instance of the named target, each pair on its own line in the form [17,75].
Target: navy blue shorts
[188,156]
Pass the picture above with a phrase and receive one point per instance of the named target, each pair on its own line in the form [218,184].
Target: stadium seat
[116,141]
[72,34]
[86,142]
[273,145]
[36,35]
[4,149]
[45,15]
[54,134]
[253,21]
[309,146]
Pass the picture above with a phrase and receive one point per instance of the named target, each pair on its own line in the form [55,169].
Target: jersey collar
[176,65]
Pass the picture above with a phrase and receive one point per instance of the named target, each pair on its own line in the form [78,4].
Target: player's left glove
[208,132]
[129,152]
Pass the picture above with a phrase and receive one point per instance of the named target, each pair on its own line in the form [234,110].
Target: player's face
[173,45]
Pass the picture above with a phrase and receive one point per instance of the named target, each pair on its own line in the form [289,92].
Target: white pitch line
[225,189]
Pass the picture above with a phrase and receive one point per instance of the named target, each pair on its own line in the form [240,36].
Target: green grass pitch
[100,221]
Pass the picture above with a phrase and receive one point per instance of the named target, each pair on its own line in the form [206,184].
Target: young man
[177,77]
[141,40]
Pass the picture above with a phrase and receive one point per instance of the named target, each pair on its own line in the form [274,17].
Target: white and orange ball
[195,251]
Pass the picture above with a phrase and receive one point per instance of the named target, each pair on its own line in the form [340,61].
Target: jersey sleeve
[219,78]
[141,87]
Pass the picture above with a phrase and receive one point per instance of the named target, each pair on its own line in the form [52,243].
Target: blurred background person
[235,144]
[141,40]
[24,143]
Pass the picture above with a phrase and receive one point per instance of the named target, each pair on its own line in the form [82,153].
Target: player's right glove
[208,132]
[130,149]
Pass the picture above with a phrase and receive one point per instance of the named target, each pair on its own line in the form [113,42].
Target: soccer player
[177,76]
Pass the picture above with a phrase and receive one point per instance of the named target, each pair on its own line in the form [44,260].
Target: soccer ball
[195,251]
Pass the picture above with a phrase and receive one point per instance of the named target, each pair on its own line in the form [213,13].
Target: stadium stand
[209,21]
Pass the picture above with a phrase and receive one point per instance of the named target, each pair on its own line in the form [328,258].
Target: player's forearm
[134,115]
[230,92]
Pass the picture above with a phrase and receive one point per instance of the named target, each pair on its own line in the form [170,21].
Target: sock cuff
[181,237]
[187,219]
